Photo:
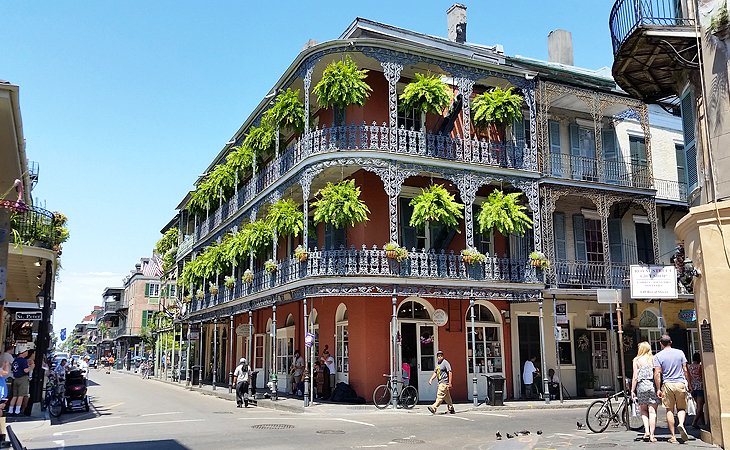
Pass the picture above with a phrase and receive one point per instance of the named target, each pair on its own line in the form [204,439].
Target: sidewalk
[296,405]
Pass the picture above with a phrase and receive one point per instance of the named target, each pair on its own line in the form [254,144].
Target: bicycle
[54,400]
[602,413]
[383,394]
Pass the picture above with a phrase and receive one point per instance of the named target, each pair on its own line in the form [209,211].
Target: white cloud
[76,294]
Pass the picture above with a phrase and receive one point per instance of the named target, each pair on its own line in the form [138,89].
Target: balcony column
[468,185]
[530,159]
[306,182]
[307,92]
[603,204]
[531,190]
[392,71]
[392,177]
[597,108]
[251,218]
[466,88]
[644,120]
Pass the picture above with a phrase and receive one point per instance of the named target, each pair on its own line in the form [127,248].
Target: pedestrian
[642,389]
[241,377]
[329,361]
[296,372]
[529,373]
[443,374]
[696,382]
[670,379]
[22,366]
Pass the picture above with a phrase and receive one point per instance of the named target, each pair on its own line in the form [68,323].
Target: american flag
[153,268]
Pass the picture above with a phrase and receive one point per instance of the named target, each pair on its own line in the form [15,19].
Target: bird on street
[539,432]
[499,436]
[579,424]
[509,436]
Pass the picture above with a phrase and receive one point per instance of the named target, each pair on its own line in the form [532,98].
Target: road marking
[492,414]
[309,418]
[61,443]
[112,406]
[101,427]
[460,418]
[372,446]
[354,421]
[160,414]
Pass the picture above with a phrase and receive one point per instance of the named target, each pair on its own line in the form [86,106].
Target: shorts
[21,387]
[698,393]
[675,394]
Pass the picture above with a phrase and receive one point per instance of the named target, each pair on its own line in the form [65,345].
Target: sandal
[652,439]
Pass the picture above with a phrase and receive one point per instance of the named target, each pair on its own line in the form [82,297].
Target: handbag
[691,405]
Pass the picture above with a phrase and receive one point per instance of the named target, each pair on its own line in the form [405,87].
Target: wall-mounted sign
[706,337]
[28,316]
[688,315]
[561,313]
[243,330]
[440,317]
[653,282]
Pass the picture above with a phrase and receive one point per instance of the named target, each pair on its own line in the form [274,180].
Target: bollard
[306,389]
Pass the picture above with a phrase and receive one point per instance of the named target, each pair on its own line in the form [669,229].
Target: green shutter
[146,289]
[579,236]
[575,159]
[556,162]
[614,240]
[561,253]
[144,319]
[611,156]
[681,164]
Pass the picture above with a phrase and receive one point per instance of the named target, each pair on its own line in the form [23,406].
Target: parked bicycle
[385,393]
[617,409]
[54,396]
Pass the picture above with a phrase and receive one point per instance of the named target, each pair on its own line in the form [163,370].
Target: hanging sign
[309,340]
[28,316]
[440,317]
[653,282]
[688,315]
[561,313]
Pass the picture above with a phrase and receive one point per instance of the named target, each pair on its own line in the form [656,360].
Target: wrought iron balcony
[671,190]
[185,246]
[112,307]
[373,263]
[620,173]
[651,39]
[33,227]
[589,275]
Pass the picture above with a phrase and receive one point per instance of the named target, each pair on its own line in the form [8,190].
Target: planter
[214,290]
[391,254]
[302,257]
[468,259]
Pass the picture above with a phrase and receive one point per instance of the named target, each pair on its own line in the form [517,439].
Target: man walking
[670,379]
[241,378]
[443,374]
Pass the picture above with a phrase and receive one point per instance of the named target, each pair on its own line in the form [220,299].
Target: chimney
[560,47]
[456,22]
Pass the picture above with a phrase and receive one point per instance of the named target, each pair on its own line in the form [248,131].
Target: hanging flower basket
[301,253]
[200,295]
[230,282]
[396,252]
[247,276]
[213,288]
[270,266]
[188,298]
[472,256]
[539,260]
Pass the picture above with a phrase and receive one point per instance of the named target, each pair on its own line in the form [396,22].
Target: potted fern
[213,288]
[256,236]
[339,205]
[247,276]
[719,24]
[492,110]
[300,253]
[472,256]
[229,282]
[260,141]
[187,298]
[287,112]
[435,204]
[270,266]
[285,217]
[505,213]
[426,94]
[395,251]
[200,294]
[342,84]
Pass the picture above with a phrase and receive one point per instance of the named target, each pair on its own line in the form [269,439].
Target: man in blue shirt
[670,378]
[21,367]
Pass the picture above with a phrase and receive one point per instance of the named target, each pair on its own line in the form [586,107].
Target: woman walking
[697,386]
[643,390]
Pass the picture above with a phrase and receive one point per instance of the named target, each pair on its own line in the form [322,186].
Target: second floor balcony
[671,190]
[589,275]
[620,173]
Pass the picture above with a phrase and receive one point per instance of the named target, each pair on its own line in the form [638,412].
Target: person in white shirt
[529,371]
[84,366]
[329,361]
[297,371]
[241,378]
[553,384]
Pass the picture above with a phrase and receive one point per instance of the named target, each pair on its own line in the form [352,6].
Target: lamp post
[43,339]
[215,350]
[543,363]
[306,356]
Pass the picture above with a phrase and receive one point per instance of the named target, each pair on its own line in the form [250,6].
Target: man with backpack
[241,377]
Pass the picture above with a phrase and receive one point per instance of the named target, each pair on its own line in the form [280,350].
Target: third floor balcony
[620,173]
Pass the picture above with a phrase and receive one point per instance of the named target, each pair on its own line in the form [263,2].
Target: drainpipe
[179,356]
[394,345]
[215,351]
[273,379]
[230,358]
[543,363]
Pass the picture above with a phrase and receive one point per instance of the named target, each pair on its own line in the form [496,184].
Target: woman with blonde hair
[643,391]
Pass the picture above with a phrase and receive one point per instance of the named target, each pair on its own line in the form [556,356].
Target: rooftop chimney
[560,47]
[456,21]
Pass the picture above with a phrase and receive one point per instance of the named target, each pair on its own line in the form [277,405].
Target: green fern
[240,159]
[167,241]
[426,93]
[505,213]
[287,112]
[498,106]
[342,84]
[339,205]
[257,236]
[236,248]
[285,217]
[435,204]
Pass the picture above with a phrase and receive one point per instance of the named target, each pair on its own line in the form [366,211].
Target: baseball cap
[440,352]
[243,360]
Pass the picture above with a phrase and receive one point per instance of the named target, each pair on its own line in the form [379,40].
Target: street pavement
[131,413]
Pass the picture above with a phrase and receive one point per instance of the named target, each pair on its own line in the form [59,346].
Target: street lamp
[41,298]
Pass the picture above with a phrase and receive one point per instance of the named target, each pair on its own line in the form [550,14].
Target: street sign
[193,335]
[243,330]
[63,334]
[28,316]
[653,282]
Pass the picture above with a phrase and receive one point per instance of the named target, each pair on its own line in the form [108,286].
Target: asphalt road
[131,413]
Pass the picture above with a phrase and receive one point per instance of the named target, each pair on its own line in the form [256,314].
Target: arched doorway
[418,344]
[261,355]
[284,353]
[649,329]
[342,345]
[488,350]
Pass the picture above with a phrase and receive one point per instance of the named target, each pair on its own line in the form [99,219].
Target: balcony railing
[112,307]
[186,245]
[620,173]
[369,137]
[671,190]
[587,275]
[373,262]
[628,15]
[33,227]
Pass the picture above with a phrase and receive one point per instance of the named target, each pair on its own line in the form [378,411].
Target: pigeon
[509,436]
[524,433]
[539,432]
[580,425]
[499,436]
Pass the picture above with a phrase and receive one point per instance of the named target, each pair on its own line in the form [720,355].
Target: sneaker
[245,403]
[452,411]
[432,410]
[683,432]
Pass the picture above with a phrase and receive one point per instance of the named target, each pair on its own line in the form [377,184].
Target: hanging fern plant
[240,159]
[498,106]
[426,93]
[257,236]
[342,85]
[222,180]
[261,141]
[505,213]
[167,241]
[285,217]
[287,112]
[339,205]
[435,204]
[236,248]
[202,198]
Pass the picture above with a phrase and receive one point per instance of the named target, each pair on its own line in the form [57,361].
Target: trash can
[495,390]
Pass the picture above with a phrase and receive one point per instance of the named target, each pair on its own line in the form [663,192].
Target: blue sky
[124,104]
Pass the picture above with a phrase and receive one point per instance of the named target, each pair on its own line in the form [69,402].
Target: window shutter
[691,157]
[555,159]
[575,161]
[561,253]
[681,164]
[608,144]
[614,240]
[408,235]
[518,132]
[146,289]
[579,236]
[144,318]
[687,110]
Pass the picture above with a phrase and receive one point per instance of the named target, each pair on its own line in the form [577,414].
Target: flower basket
[230,283]
[396,252]
[539,260]
[301,253]
[200,295]
[472,256]
[247,276]
[270,266]
[213,288]
[188,298]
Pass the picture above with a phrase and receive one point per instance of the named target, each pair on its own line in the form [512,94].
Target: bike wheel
[409,397]
[631,421]
[55,407]
[381,396]
[598,416]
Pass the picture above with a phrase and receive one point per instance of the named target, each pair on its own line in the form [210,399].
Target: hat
[440,352]
[243,361]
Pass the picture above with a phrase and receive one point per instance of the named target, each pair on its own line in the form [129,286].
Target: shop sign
[194,333]
[653,282]
[688,315]
[243,330]
[440,317]
[561,313]
[28,316]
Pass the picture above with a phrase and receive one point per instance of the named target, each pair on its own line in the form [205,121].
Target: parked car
[93,362]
